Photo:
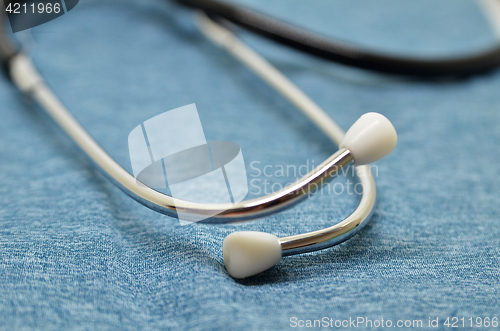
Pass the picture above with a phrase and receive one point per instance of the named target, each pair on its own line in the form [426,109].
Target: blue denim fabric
[76,253]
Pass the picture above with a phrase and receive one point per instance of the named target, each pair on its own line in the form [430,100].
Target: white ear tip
[370,138]
[248,253]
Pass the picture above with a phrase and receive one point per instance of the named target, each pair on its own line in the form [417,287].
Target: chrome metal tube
[30,82]
[315,240]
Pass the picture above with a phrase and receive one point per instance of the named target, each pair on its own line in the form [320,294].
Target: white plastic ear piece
[370,138]
[248,253]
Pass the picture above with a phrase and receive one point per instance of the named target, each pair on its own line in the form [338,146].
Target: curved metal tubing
[26,77]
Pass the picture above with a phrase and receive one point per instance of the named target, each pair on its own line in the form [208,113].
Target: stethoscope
[370,138]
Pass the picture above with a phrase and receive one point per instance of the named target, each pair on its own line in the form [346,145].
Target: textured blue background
[76,253]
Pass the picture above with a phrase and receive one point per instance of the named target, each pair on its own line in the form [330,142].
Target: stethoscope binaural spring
[369,139]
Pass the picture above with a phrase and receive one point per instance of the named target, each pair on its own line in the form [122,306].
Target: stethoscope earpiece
[370,138]
[247,253]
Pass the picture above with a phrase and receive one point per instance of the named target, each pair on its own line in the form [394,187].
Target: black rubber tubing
[320,46]
[337,51]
